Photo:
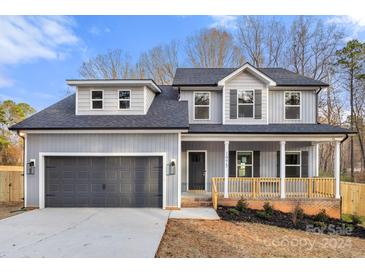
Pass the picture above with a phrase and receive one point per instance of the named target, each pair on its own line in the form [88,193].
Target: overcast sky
[37,54]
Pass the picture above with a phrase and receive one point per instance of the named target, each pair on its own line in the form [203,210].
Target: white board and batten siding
[277,104]
[215,106]
[140,100]
[102,143]
[245,81]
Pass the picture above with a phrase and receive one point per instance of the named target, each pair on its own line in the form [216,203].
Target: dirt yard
[10,209]
[213,239]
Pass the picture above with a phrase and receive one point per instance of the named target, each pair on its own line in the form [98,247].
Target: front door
[197,170]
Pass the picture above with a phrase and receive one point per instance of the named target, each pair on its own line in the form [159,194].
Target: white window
[244,164]
[292,105]
[201,105]
[245,103]
[96,99]
[292,164]
[124,99]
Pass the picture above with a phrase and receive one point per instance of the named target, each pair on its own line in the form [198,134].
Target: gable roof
[247,66]
[166,112]
[211,77]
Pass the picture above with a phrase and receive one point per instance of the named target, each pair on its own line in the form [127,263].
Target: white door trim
[42,155]
[206,167]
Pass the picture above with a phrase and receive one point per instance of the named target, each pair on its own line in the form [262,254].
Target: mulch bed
[285,220]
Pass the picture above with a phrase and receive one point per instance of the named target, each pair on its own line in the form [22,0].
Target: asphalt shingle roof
[211,76]
[269,129]
[166,112]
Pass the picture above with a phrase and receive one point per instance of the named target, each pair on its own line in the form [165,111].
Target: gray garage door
[103,181]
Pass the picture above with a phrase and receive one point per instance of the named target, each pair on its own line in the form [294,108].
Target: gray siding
[111,101]
[215,106]
[215,156]
[102,143]
[150,95]
[276,107]
[245,81]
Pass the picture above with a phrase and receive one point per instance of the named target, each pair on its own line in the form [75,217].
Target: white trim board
[206,168]
[25,171]
[252,164]
[111,82]
[253,70]
[206,106]
[262,137]
[41,169]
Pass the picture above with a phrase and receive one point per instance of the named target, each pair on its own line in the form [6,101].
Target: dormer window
[245,103]
[201,105]
[292,105]
[97,99]
[124,99]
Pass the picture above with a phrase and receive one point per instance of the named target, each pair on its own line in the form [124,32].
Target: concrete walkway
[83,232]
[199,213]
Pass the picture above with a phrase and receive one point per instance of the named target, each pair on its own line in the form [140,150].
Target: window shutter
[256,164]
[232,164]
[258,103]
[233,104]
[304,164]
[278,164]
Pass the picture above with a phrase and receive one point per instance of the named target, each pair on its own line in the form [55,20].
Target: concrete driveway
[83,232]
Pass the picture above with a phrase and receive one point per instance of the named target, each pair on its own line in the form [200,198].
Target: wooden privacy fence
[353,198]
[11,184]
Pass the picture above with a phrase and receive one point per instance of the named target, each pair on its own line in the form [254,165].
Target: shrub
[233,211]
[321,216]
[355,220]
[269,210]
[263,215]
[298,214]
[241,205]
[320,224]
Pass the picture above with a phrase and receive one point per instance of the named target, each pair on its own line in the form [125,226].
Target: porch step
[199,201]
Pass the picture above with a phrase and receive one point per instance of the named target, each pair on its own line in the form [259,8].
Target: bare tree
[251,37]
[312,46]
[275,43]
[359,115]
[331,109]
[111,65]
[212,48]
[160,62]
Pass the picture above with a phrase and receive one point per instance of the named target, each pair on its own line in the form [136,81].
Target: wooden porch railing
[270,187]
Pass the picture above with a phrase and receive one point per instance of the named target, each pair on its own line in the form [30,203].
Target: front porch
[257,168]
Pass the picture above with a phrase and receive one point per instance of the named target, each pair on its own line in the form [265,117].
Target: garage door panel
[103,181]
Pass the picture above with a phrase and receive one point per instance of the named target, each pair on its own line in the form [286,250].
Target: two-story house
[223,132]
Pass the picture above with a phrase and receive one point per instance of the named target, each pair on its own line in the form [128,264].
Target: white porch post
[282,169]
[337,168]
[226,167]
[316,172]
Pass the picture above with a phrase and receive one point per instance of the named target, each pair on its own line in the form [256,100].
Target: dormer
[114,97]
[245,96]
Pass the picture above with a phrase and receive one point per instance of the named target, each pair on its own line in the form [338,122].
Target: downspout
[319,90]
[344,139]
